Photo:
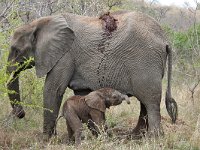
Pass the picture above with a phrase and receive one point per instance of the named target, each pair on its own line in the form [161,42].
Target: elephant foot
[139,131]
[156,133]
[47,135]
[49,127]
[18,111]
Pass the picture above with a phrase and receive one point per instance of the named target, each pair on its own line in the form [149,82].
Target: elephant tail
[171,104]
[60,116]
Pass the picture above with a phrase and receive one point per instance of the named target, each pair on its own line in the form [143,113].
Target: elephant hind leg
[152,105]
[149,94]
[154,120]
[142,125]
[149,121]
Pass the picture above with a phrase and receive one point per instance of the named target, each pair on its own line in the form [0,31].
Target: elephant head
[104,98]
[46,40]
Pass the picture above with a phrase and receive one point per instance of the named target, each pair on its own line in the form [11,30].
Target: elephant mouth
[23,66]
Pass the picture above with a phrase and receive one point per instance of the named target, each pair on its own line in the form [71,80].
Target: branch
[110,5]
[195,85]
[6,9]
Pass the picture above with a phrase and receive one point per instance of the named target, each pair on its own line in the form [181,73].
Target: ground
[26,133]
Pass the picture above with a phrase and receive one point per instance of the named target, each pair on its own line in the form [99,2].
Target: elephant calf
[89,109]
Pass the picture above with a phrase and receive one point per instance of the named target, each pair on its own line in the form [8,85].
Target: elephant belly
[98,73]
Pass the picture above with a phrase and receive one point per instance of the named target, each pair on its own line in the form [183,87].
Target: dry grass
[185,134]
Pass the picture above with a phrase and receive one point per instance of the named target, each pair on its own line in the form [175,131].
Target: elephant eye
[16,52]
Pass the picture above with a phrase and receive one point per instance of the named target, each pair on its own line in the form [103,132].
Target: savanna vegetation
[183,28]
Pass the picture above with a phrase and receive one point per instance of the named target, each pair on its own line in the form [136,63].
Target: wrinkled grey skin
[73,51]
[89,109]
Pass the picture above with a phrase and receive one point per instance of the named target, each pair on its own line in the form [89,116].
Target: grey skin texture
[89,109]
[73,51]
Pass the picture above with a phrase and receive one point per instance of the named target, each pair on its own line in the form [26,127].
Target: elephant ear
[53,40]
[95,101]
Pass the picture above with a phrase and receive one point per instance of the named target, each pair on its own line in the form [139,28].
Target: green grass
[27,133]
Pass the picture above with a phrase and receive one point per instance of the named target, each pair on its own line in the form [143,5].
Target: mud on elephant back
[126,51]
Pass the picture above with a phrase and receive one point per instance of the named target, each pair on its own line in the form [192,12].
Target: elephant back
[101,59]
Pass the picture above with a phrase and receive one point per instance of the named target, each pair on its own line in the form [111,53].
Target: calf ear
[54,38]
[95,101]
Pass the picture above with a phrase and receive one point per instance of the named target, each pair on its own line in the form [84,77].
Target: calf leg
[70,132]
[92,128]
[74,124]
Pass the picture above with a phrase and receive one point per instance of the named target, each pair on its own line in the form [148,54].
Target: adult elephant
[88,53]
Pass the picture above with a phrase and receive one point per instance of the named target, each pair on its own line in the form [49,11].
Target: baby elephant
[89,109]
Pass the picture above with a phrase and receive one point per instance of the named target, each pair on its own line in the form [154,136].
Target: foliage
[25,133]
[3,80]
[186,45]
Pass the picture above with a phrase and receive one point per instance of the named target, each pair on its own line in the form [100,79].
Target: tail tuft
[172,108]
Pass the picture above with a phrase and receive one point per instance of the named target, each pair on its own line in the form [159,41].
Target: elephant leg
[151,101]
[148,92]
[150,119]
[70,132]
[142,124]
[74,124]
[51,108]
[91,126]
[98,118]
[52,102]
[55,84]
[154,119]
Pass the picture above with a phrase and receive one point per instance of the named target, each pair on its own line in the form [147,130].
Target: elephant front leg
[52,104]
[70,133]
[52,101]
[55,84]
[53,94]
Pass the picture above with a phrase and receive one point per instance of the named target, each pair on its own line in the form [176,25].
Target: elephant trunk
[16,65]
[14,93]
